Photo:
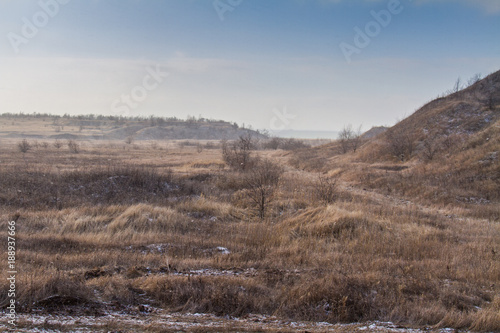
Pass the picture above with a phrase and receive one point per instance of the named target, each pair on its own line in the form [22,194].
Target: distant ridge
[374,131]
[96,127]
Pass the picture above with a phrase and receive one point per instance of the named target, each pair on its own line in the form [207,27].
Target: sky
[269,64]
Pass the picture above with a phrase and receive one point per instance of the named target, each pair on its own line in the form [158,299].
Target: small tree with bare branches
[349,139]
[237,154]
[430,146]
[261,183]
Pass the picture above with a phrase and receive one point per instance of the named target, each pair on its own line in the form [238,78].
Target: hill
[444,153]
[44,126]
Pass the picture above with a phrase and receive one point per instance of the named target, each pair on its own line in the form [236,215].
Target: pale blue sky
[266,58]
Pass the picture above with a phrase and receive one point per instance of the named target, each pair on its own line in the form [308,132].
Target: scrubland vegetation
[314,234]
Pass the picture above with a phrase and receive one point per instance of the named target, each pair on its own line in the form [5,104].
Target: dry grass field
[403,233]
[162,225]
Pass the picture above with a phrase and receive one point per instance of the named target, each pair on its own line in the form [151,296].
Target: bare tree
[430,146]
[349,138]
[237,154]
[345,137]
[261,183]
[356,139]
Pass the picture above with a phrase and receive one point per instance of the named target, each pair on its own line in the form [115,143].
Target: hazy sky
[272,64]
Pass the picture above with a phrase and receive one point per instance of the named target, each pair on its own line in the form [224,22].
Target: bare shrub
[293,144]
[400,142]
[73,147]
[237,154]
[474,79]
[24,146]
[273,143]
[349,139]
[429,147]
[261,183]
[325,189]
[57,144]
[286,144]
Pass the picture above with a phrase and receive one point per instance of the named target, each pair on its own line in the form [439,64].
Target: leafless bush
[400,143]
[349,139]
[57,144]
[129,140]
[325,189]
[261,183]
[293,144]
[237,154]
[273,143]
[285,144]
[474,79]
[24,146]
[429,147]
[73,147]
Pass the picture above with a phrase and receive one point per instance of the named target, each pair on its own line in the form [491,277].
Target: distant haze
[305,134]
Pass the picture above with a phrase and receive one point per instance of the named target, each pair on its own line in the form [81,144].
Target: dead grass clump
[218,295]
[208,208]
[116,289]
[88,219]
[330,223]
[325,189]
[143,218]
[488,318]
[332,298]
[40,287]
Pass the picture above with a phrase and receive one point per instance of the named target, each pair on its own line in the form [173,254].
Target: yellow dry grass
[120,225]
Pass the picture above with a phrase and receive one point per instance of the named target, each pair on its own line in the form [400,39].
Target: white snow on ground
[126,322]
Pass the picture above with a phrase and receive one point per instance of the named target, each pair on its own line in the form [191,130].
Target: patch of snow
[223,250]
